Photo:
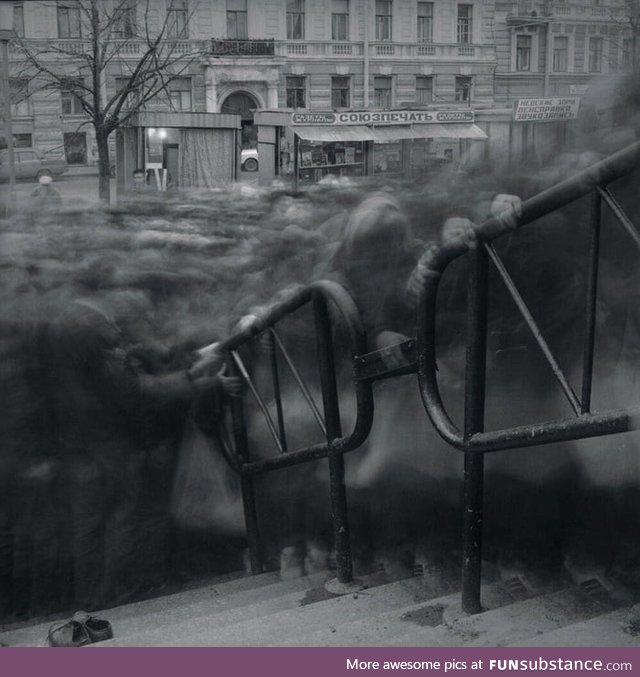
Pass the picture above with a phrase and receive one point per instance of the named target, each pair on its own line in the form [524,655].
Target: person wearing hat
[45,194]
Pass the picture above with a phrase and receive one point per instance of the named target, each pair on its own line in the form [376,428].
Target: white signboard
[547,110]
[385,117]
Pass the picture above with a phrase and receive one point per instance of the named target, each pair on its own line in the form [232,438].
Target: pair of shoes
[80,630]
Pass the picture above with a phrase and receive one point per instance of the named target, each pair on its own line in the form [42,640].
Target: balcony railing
[221,47]
[124,48]
[563,10]
[386,50]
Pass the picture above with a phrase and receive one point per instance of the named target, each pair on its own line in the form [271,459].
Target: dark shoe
[68,633]
[97,628]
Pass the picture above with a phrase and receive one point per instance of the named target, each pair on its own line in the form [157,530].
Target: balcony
[385,50]
[222,47]
[563,10]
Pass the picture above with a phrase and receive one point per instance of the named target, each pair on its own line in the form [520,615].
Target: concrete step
[301,612]
[512,625]
[617,628]
[215,596]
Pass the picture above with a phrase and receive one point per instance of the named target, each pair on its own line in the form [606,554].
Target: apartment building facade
[268,60]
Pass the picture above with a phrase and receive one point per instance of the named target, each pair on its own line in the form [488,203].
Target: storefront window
[317,160]
[387,158]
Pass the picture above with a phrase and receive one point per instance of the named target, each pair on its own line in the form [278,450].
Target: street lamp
[6,33]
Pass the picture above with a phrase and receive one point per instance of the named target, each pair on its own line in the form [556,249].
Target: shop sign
[547,110]
[313,119]
[383,117]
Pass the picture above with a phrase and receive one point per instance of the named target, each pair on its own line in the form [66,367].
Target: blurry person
[103,403]
[45,195]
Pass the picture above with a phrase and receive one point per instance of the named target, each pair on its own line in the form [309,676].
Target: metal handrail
[320,295]
[436,260]
[473,440]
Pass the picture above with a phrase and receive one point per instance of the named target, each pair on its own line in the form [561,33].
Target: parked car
[31,164]
[249,160]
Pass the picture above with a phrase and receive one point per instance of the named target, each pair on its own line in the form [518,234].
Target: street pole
[6,33]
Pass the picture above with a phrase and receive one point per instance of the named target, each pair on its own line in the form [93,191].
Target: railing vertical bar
[338,493]
[246,481]
[275,378]
[592,291]
[474,423]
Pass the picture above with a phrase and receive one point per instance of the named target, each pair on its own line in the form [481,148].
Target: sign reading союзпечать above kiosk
[382,117]
[547,109]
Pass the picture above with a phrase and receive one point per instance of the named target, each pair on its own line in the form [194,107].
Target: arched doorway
[243,104]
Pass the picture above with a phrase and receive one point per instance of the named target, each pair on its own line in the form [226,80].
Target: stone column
[211,93]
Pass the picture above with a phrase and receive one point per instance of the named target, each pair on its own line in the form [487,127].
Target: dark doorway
[243,104]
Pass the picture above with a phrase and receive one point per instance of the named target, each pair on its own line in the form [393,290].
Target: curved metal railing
[472,439]
[321,295]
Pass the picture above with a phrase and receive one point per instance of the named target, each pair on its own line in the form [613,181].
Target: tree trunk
[104,167]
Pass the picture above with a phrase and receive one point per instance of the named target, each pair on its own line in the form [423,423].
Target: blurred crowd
[103,315]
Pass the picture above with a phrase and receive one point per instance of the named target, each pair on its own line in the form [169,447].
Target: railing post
[474,423]
[275,379]
[246,482]
[338,494]
[592,290]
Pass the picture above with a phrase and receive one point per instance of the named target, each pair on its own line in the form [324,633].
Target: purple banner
[238,662]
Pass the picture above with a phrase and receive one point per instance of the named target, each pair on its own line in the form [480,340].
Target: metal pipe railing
[321,295]
[473,440]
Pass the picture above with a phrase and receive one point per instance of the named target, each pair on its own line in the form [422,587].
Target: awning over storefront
[391,133]
[351,133]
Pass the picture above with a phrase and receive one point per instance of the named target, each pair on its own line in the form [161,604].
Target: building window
[595,55]
[463,89]
[340,92]
[177,19]
[133,99]
[340,20]
[384,26]
[18,19]
[523,52]
[425,22]
[464,34]
[237,19]
[296,92]
[126,24]
[19,93]
[295,19]
[382,92]
[69,20]
[561,54]
[424,89]
[180,94]
[71,104]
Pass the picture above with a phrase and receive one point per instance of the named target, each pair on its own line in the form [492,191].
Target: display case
[317,160]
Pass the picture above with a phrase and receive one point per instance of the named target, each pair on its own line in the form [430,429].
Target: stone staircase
[239,610]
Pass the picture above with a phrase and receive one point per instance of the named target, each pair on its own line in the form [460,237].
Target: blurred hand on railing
[507,209]
[390,342]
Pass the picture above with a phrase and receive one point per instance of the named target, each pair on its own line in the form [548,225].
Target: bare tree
[147,49]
